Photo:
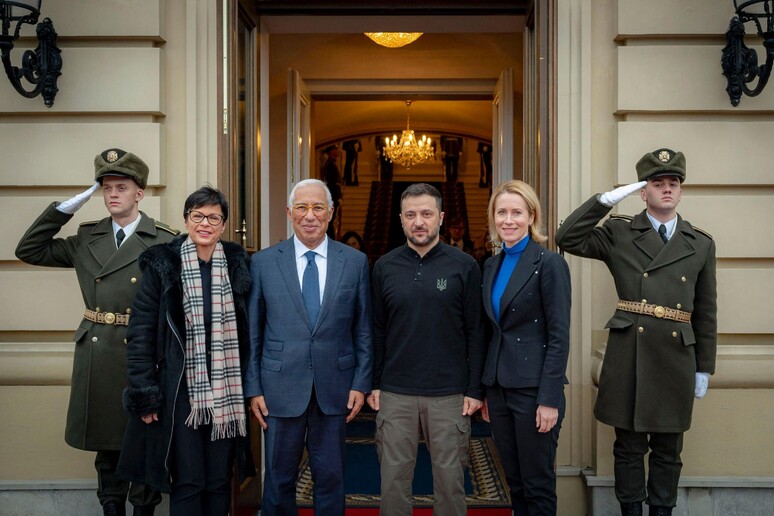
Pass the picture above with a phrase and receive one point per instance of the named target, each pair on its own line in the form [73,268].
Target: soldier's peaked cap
[117,162]
[661,162]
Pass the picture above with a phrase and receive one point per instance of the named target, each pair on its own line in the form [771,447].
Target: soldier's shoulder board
[698,229]
[619,216]
[166,228]
[89,223]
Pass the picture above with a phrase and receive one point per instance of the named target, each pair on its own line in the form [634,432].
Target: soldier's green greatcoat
[108,278]
[648,376]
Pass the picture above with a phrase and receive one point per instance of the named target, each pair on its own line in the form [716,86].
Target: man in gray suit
[310,352]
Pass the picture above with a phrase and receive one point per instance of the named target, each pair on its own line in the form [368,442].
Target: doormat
[484,479]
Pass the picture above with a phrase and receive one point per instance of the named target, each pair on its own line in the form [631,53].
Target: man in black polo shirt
[429,353]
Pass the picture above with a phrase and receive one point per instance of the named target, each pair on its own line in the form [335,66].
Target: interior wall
[353,56]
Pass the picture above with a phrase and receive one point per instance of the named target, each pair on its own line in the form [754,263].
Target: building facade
[592,85]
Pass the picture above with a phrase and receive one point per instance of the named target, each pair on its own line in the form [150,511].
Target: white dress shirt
[670,226]
[128,229]
[320,258]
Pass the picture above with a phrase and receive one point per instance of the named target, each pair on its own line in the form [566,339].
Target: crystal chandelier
[393,39]
[408,151]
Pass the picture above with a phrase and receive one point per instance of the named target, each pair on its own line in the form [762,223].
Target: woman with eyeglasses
[187,345]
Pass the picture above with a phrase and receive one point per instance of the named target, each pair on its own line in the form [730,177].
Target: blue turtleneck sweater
[511,258]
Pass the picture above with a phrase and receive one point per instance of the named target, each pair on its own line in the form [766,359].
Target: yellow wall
[651,79]
[125,82]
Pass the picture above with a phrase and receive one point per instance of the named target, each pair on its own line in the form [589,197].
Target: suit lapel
[101,244]
[132,247]
[648,240]
[521,274]
[679,246]
[490,269]
[332,277]
[286,263]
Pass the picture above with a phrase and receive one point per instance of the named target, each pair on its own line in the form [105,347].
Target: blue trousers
[285,439]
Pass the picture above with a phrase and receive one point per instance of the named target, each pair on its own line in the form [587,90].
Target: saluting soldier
[104,255]
[663,335]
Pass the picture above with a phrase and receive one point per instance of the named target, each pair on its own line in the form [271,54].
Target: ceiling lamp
[393,39]
[408,151]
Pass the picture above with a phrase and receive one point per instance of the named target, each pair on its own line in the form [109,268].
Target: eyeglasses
[303,209]
[198,217]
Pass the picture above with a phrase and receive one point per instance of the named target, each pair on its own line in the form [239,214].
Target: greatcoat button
[674,334]
[97,310]
[124,341]
[683,279]
[94,339]
[640,329]
[128,310]
[133,280]
[646,274]
[679,306]
[644,300]
[98,280]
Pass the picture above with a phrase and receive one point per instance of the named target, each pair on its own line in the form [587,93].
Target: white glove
[702,382]
[70,206]
[613,197]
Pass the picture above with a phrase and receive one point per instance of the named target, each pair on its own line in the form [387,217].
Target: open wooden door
[239,171]
[239,149]
[502,128]
[540,131]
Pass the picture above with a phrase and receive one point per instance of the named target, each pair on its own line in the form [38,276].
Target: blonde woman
[526,294]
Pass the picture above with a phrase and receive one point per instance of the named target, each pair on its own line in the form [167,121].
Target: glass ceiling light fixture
[393,39]
[740,64]
[408,151]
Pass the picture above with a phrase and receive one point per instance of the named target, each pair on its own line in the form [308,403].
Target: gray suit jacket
[287,355]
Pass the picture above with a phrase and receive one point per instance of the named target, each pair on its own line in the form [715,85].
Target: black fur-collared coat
[155,360]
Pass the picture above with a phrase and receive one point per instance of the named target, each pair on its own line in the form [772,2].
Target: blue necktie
[120,235]
[311,288]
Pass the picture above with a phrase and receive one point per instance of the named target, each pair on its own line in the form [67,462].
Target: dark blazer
[156,360]
[287,355]
[531,341]
[647,380]
[108,279]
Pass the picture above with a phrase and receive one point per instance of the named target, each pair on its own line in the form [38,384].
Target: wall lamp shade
[740,63]
[41,67]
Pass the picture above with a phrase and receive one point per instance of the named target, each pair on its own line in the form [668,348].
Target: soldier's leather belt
[106,317]
[657,311]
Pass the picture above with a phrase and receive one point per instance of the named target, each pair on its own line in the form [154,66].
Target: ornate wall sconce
[40,67]
[740,64]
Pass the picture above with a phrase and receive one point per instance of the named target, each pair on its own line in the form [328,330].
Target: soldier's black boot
[113,509]
[143,510]
[631,509]
[657,510]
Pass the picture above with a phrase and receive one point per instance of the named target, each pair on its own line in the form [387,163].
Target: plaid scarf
[217,400]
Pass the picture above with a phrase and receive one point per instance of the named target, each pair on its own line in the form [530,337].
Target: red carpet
[427,511]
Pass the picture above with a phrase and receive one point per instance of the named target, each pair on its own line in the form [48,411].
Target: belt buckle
[110,318]
[659,312]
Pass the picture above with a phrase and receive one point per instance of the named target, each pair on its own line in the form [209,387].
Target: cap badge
[664,156]
[112,156]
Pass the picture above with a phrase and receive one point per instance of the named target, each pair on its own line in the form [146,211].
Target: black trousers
[527,455]
[201,468]
[112,489]
[664,467]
